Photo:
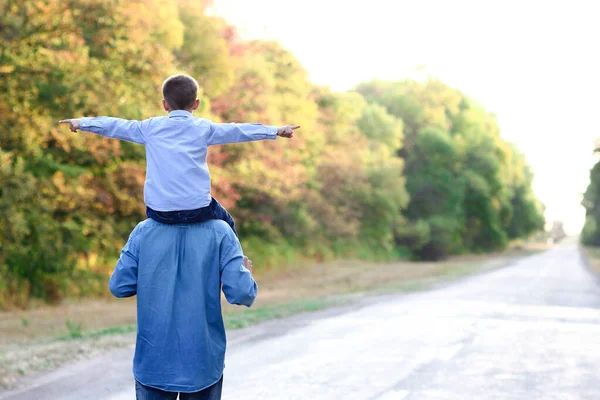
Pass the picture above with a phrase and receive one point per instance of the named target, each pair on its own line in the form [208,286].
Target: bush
[442,240]
[413,236]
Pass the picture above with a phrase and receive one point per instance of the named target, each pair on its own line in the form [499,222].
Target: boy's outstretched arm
[117,128]
[237,133]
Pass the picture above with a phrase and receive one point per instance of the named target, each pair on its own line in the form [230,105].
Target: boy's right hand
[73,123]
[247,263]
[287,131]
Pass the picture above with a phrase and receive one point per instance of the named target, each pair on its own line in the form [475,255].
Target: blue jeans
[148,393]
[213,211]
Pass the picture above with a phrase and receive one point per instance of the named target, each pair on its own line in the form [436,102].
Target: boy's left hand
[287,131]
[73,123]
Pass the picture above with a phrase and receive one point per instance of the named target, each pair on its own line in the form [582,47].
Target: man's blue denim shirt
[177,272]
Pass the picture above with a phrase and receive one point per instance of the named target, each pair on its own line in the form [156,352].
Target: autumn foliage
[391,169]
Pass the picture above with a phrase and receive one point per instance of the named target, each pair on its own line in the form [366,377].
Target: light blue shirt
[177,272]
[177,176]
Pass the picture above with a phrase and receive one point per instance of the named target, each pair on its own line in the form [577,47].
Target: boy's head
[180,92]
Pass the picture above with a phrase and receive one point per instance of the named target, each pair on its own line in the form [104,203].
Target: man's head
[180,92]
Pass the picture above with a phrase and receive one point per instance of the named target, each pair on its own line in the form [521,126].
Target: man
[177,272]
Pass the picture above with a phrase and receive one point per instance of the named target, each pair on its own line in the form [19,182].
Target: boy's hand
[73,123]
[287,131]
[248,264]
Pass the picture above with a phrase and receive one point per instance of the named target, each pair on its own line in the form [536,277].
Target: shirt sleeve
[123,281]
[238,133]
[116,128]
[238,285]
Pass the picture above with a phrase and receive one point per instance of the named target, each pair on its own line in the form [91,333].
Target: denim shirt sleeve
[238,285]
[123,281]
[238,133]
[116,128]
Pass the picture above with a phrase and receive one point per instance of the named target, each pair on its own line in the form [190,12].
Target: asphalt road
[527,331]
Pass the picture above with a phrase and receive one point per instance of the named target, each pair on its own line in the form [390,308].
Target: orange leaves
[126,185]
[119,193]
[103,150]
[270,170]
[69,194]
[221,177]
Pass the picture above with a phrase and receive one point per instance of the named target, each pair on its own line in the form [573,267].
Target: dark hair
[180,91]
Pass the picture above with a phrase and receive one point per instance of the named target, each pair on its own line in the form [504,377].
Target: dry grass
[41,339]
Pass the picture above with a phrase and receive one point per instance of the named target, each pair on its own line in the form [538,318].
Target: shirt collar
[180,113]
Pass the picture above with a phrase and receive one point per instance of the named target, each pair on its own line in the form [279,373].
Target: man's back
[177,272]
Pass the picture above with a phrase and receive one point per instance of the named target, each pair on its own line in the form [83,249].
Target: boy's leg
[181,217]
[149,393]
[162,217]
[210,393]
[221,213]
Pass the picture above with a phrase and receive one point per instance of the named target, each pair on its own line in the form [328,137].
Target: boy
[177,187]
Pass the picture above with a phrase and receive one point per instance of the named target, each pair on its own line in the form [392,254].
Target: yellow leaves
[6,69]
[153,19]
[205,52]
[125,185]
[6,165]
[58,179]
[440,102]
[103,149]
[68,193]
[69,57]
[271,170]
[88,261]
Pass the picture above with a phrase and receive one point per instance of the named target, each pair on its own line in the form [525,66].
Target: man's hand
[247,263]
[73,123]
[287,131]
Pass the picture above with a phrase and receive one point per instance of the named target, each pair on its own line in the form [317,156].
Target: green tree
[463,184]
[205,52]
[591,202]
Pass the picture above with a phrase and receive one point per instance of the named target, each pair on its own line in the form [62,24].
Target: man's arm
[123,281]
[117,128]
[238,285]
[238,133]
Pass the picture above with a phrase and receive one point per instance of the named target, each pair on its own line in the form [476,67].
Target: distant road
[527,331]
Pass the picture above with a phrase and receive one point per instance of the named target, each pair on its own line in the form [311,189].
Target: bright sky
[535,64]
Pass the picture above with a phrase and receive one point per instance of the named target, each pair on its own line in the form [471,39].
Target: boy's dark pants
[213,211]
[148,393]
